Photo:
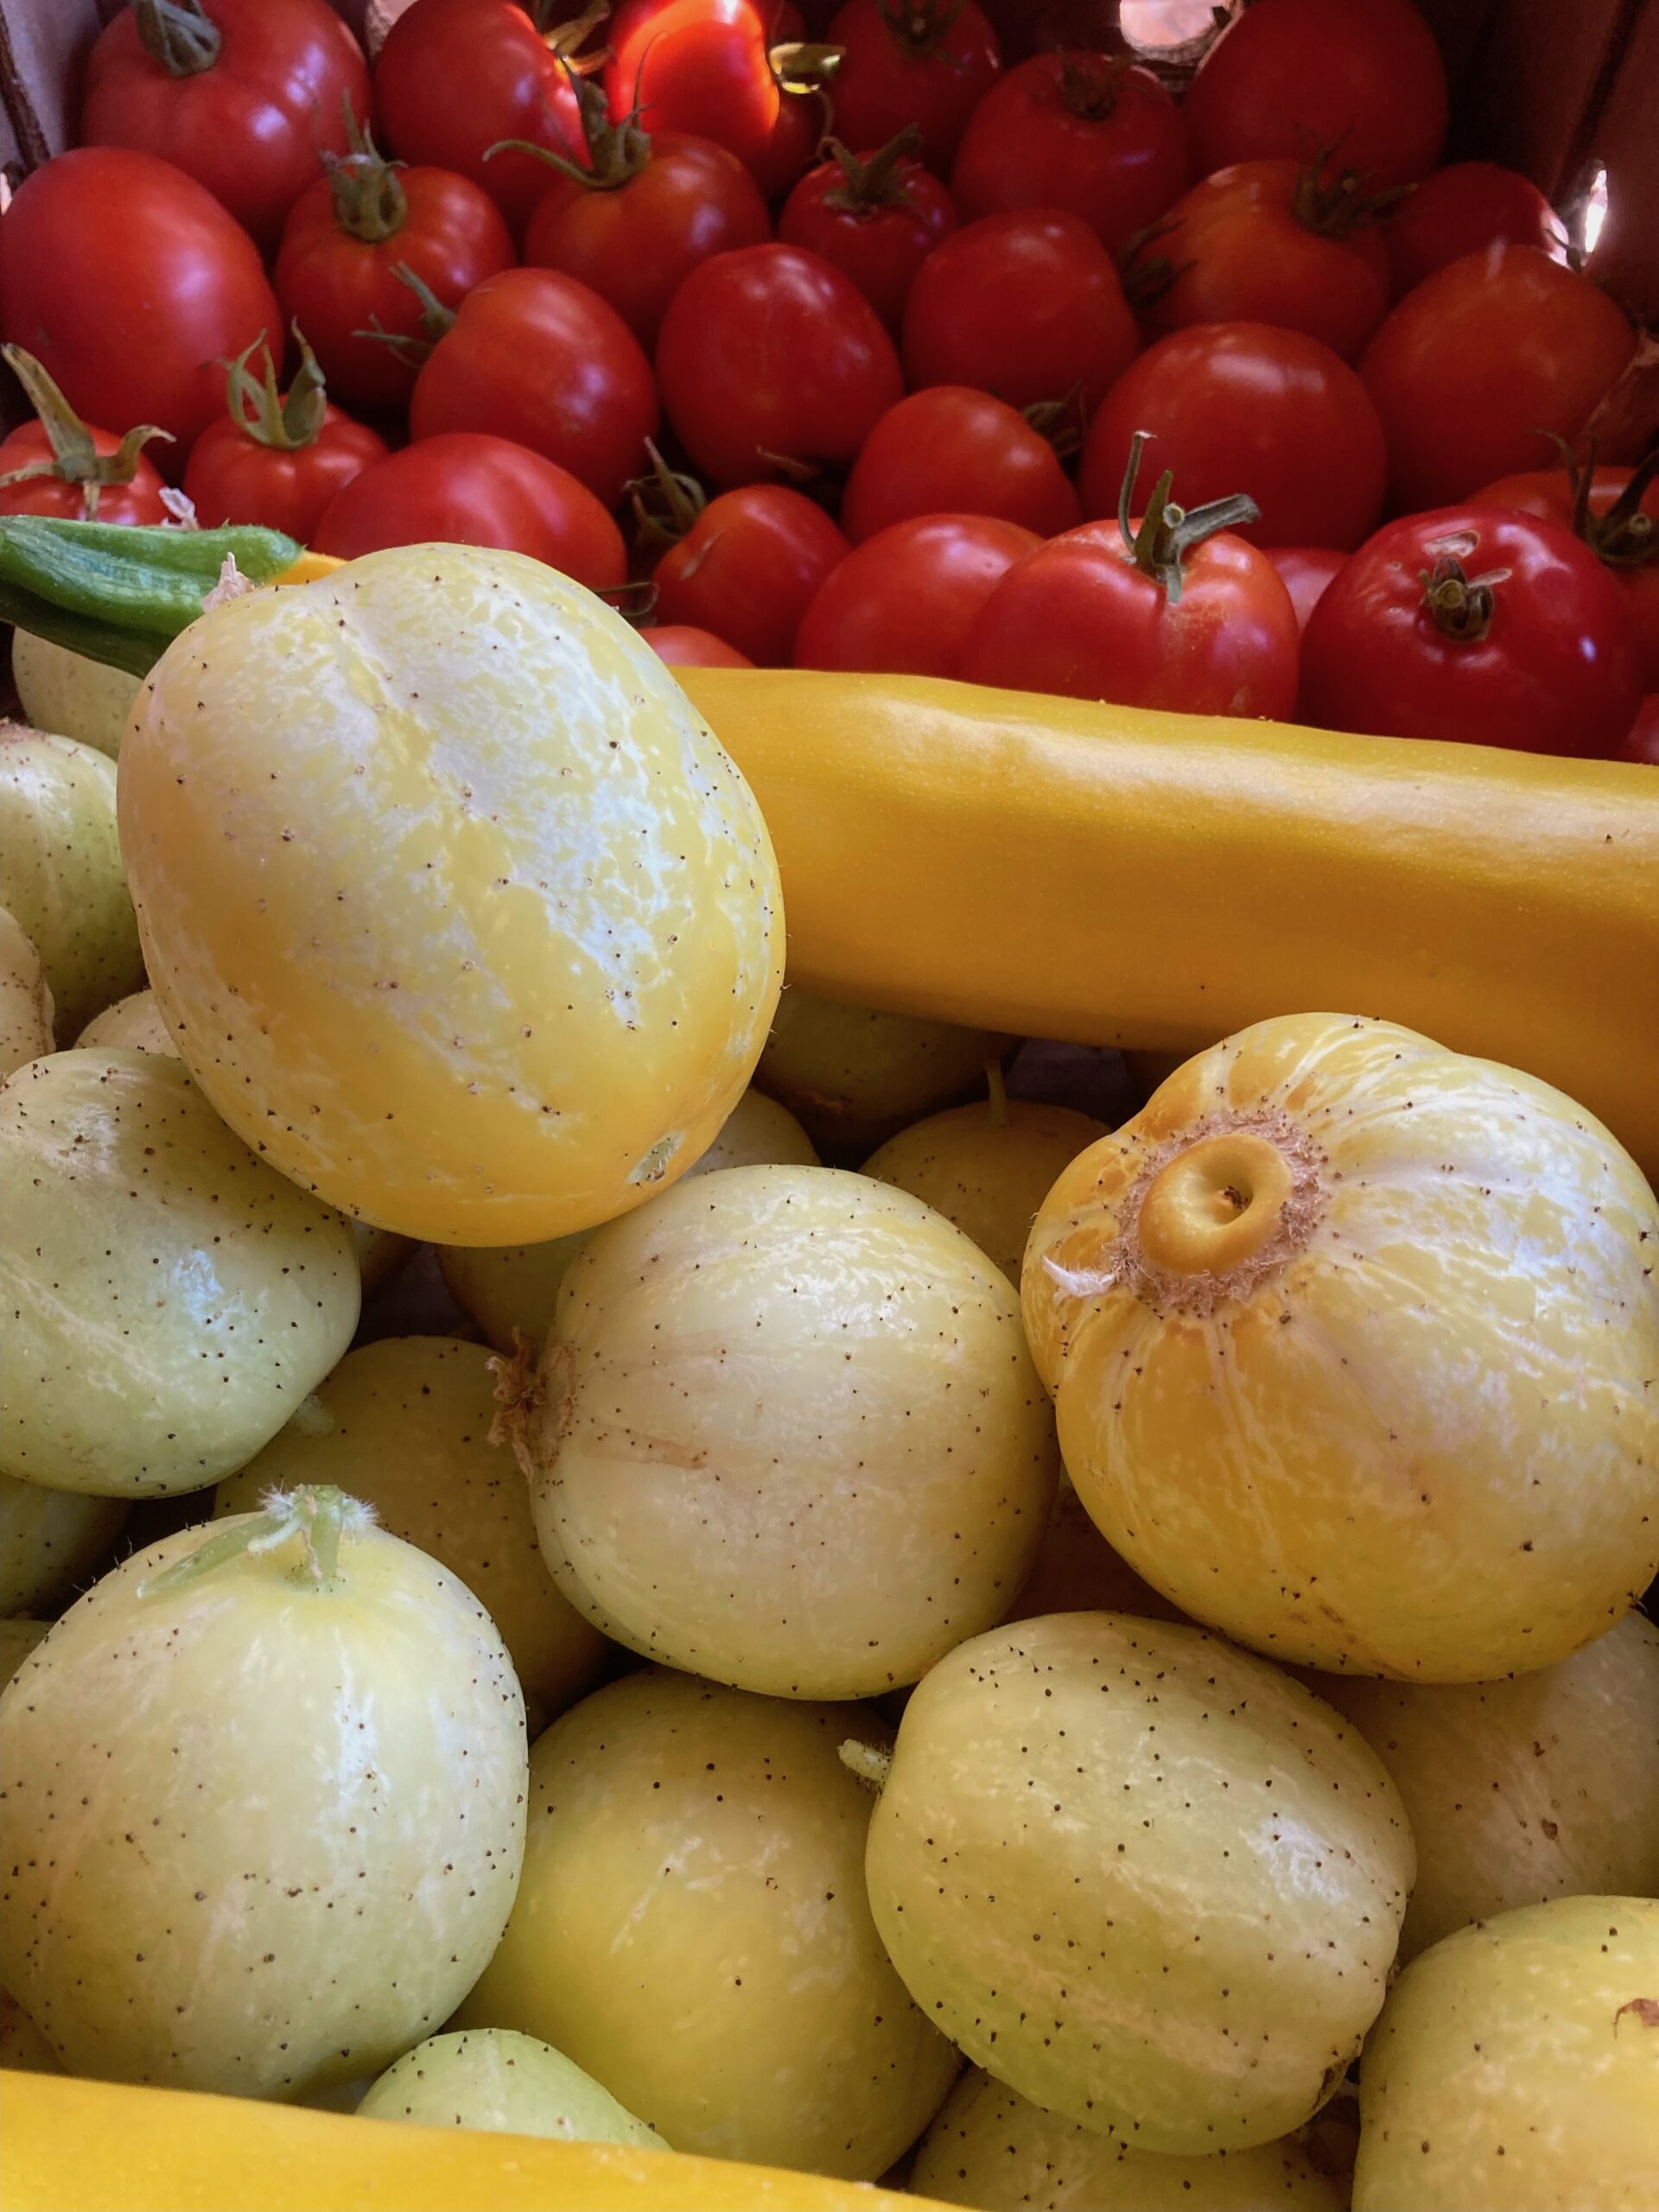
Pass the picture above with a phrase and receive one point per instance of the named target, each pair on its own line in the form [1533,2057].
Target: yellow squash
[1153,880]
[70,2144]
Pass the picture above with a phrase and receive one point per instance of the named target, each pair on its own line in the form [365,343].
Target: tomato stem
[867,186]
[177,35]
[435,321]
[75,458]
[1460,606]
[1167,532]
[666,503]
[1627,536]
[804,65]
[1336,205]
[919,28]
[1089,84]
[369,198]
[617,152]
[285,425]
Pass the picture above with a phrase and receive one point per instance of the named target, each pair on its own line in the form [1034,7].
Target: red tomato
[1025,305]
[748,567]
[537,358]
[951,450]
[694,65]
[656,206]
[276,461]
[923,61]
[57,465]
[131,286]
[876,216]
[770,355]
[905,602]
[1162,615]
[682,645]
[1620,525]
[1363,77]
[1642,744]
[243,95]
[457,77]
[1305,571]
[1473,370]
[1465,209]
[1477,625]
[1274,242]
[1235,404]
[470,489]
[1085,131]
[344,238]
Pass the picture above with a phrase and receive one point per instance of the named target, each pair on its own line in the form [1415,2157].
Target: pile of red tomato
[867,353]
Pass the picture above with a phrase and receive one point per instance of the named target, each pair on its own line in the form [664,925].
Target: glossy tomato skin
[139,501]
[1241,407]
[927,62]
[336,285]
[1642,741]
[1362,76]
[880,247]
[771,351]
[133,327]
[1025,305]
[696,67]
[537,358]
[1556,670]
[951,450]
[682,645]
[904,602]
[457,76]
[1305,572]
[1548,492]
[465,489]
[1240,252]
[1472,369]
[1078,131]
[1463,209]
[635,244]
[250,126]
[1077,617]
[230,477]
[748,568]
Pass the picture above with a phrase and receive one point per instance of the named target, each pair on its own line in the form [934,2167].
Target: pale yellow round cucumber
[1141,1877]
[692,1930]
[264,1790]
[785,1433]
[1352,1343]
[172,1298]
[457,908]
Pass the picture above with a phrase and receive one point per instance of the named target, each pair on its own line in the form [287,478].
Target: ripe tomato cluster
[863,351]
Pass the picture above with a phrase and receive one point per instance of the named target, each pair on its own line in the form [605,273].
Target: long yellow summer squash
[1153,880]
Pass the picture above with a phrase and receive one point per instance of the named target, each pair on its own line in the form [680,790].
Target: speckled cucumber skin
[456,907]
[64,691]
[506,1288]
[854,1074]
[993,2149]
[692,1930]
[168,1299]
[511,2084]
[1516,2068]
[61,873]
[786,1435]
[405,1425]
[1141,1877]
[262,1835]
[1541,1786]
[50,1540]
[133,1023]
[1417,1433]
[987,1168]
[25,1001]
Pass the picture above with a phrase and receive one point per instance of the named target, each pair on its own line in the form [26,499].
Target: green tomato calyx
[318,1514]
